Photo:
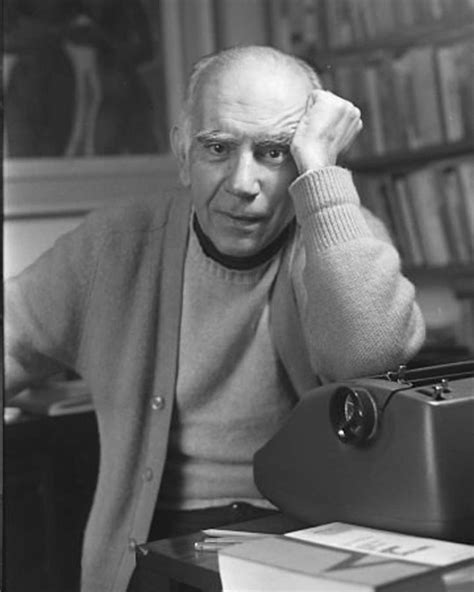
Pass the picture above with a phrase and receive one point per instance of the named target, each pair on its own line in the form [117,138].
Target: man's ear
[179,148]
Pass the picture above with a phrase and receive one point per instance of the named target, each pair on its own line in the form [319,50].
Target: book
[370,81]
[465,69]
[387,88]
[377,195]
[426,204]
[384,16]
[426,97]
[465,323]
[465,171]
[340,32]
[404,97]
[453,215]
[59,397]
[280,25]
[399,230]
[241,22]
[347,76]
[447,57]
[307,26]
[412,247]
[173,59]
[198,34]
[359,24]
[346,558]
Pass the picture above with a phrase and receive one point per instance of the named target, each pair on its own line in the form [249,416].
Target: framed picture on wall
[83,78]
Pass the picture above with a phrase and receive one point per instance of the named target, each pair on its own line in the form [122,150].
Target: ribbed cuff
[327,204]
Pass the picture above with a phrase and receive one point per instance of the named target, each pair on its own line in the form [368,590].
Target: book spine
[383,11]
[426,96]
[400,232]
[452,213]
[413,248]
[377,195]
[173,58]
[314,25]
[465,72]
[197,27]
[280,28]
[340,32]
[371,85]
[242,22]
[391,109]
[425,202]
[406,17]
[358,22]
[347,85]
[465,324]
[465,170]
[449,93]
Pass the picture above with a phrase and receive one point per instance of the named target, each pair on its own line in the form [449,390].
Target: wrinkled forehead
[253,90]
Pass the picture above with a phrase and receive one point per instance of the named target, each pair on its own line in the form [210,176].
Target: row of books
[464,328]
[191,29]
[429,89]
[340,24]
[415,100]
[429,212]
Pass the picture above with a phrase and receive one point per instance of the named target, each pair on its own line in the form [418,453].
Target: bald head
[232,65]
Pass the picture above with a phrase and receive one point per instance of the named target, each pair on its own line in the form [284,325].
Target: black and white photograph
[238,296]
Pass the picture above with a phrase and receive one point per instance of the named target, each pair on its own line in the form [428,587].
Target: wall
[25,239]
[44,199]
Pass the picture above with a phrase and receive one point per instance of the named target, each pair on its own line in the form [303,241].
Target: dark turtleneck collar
[241,263]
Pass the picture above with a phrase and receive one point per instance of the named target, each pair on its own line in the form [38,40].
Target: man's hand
[327,127]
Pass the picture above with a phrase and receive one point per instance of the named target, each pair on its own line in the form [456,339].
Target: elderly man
[198,320]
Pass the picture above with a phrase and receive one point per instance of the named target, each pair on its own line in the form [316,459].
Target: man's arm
[358,311]
[44,308]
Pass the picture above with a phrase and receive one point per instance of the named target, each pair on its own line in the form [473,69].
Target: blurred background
[91,88]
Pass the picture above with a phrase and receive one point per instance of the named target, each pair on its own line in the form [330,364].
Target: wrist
[310,160]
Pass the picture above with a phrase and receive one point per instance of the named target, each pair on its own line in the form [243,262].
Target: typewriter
[394,452]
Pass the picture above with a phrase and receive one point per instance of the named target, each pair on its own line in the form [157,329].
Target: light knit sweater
[231,393]
[106,300]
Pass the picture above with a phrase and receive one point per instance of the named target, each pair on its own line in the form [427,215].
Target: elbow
[370,348]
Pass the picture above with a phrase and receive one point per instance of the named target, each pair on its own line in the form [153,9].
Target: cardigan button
[157,403]
[148,474]
[132,544]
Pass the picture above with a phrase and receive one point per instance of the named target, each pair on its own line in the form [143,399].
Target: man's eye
[274,155]
[216,149]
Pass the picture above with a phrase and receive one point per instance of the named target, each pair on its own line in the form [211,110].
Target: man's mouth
[244,218]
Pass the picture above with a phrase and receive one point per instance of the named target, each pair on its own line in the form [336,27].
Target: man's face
[240,164]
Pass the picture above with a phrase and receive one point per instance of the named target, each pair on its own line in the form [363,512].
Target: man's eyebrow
[278,138]
[282,138]
[206,136]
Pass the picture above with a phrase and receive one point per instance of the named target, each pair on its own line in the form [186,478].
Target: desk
[50,472]
[163,562]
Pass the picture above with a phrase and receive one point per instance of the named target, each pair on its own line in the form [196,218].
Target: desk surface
[176,559]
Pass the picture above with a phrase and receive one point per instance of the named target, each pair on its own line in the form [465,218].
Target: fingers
[338,111]
[351,129]
[328,127]
[346,119]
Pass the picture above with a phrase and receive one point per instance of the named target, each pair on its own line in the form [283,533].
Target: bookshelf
[409,66]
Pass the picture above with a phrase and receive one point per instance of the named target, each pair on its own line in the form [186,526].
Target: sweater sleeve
[358,311]
[45,306]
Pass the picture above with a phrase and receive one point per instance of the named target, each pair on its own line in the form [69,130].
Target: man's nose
[243,180]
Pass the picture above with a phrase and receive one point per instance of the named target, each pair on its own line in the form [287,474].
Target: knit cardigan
[106,300]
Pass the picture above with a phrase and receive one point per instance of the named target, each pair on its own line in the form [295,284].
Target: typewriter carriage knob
[354,415]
